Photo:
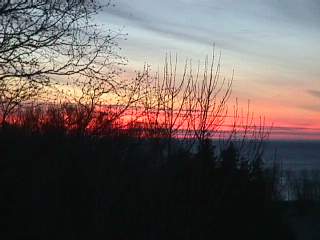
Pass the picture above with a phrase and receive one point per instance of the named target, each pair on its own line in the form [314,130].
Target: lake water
[294,155]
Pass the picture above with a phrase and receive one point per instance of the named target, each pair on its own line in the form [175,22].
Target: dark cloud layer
[314,93]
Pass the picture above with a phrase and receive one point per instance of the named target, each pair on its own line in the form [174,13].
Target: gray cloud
[316,106]
[234,25]
[303,11]
[277,37]
[314,93]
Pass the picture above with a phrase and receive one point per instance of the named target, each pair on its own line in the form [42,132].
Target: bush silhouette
[71,186]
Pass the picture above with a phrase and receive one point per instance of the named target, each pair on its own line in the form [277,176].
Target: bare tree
[99,102]
[210,95]
[247,132]
[190,105]
[164,102]
[44,42]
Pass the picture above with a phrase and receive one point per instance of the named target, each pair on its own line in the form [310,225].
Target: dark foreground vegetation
[61,184]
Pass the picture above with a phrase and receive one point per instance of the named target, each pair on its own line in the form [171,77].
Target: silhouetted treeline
[60,183]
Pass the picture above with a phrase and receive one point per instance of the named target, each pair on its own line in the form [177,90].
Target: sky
[273,47]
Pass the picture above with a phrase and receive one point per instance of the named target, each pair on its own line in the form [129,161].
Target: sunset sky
[273,46]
